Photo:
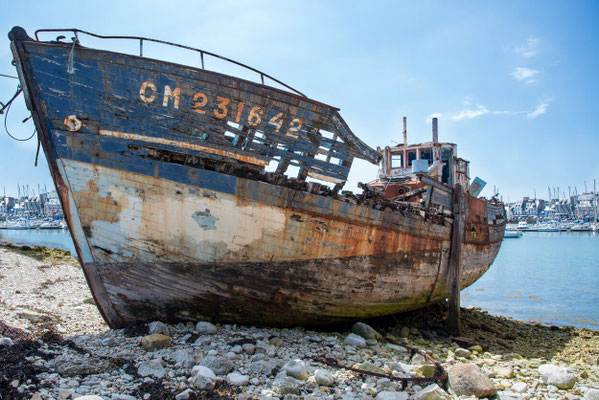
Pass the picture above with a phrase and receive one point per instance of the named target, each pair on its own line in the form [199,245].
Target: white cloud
[541,109]
[507,112]
[530,48]
[469,113]
[434,115]
[524,74]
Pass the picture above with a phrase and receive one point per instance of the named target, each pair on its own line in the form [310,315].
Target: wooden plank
[454,269]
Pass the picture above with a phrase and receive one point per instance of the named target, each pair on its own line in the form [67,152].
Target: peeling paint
[205,220]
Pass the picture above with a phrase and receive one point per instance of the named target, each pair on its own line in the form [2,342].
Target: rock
[6,342]
[155,341]
[370,367]
[404,332]
[419,359]
[218,365]
[354,340]
[72,366]
[151,368]
[249,348]
[432,392]
[183,358]
[504,372]
[476,348]
[425,370]
[88,397]
[236,379]
[503,395]
[563,378]
[121,396]
[264,367]
[158,327]
[205,328]
[591,394]
[469,380]
[184,395]
[202,377]
[365,331]
[285,385]
[459,352]
[296,369]
[323,377]
[387,395]
[32,315]
[521,387]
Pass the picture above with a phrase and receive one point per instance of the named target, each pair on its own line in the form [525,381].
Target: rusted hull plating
[163,228]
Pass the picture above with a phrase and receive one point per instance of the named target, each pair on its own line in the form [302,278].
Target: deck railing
[203,53]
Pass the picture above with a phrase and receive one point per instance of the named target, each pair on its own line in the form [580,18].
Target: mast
[405,132]
[594,199]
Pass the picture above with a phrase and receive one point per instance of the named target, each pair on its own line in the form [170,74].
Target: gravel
[55,345]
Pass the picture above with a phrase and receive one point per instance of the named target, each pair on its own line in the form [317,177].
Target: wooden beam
[454,270]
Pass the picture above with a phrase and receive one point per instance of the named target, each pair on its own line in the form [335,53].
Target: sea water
[546,277]
[52,238]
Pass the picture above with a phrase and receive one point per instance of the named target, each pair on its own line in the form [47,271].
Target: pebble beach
[55,345]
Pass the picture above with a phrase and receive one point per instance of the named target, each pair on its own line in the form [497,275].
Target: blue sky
[514,83]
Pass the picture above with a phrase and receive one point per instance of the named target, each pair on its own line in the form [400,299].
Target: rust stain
[94,207]
[184,145]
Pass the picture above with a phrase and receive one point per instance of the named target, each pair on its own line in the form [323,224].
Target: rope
[9,76]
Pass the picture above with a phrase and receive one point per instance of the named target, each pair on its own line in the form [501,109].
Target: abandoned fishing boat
[161,170]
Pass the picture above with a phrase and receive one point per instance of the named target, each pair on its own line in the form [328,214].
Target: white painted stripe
[184,145]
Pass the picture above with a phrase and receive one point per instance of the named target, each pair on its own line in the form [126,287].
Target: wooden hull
[162,238]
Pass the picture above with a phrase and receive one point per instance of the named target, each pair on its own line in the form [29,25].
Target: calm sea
[52,238]
[546,277]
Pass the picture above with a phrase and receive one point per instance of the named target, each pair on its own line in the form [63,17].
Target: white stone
[205,328]
[324,377]
[591,394]
[236,349]
[296,369]
[354,340]
[387,395]
[563,378]
[503,395]
[183,358]
[158,327]
[203,377]
[286,385]
[89,397]
[6,342]
[122,396]
[432,392]
[520,387]
[465,353]
[237,379]
[151,368]
[184,395]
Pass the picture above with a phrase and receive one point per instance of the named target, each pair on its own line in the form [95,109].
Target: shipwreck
[178,191]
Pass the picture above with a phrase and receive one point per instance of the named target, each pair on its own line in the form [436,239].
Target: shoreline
[44,299]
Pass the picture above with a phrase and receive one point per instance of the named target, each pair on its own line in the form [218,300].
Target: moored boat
[512,234]
[161,172]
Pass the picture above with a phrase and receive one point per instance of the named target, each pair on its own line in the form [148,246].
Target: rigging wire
[7,108]
[9,76]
